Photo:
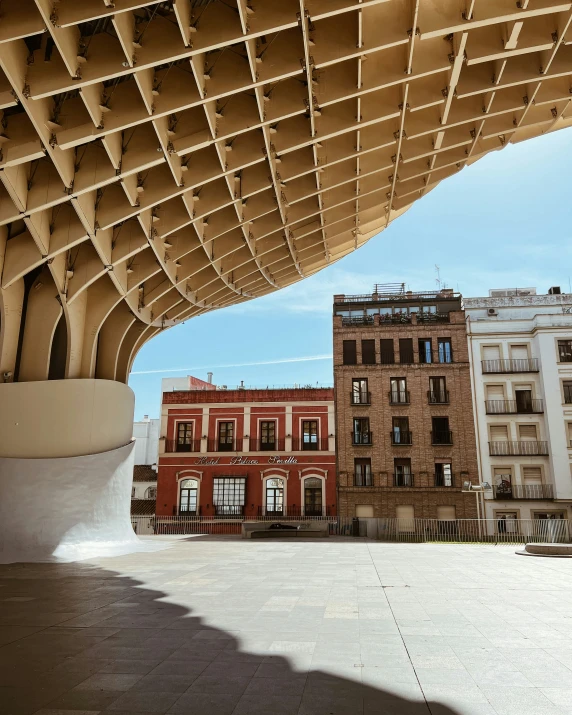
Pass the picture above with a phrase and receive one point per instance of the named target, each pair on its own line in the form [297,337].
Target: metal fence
[485,531]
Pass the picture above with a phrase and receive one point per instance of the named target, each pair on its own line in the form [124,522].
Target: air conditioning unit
[492,311]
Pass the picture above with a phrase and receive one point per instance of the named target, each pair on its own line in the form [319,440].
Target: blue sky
[505,221]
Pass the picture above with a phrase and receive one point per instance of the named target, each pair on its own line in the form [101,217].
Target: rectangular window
[226,436]
[441,433]
[499,433]
[185,437]
[368,352]
[405,514]
[567,387]
[268,435]
[362,473]
[361,433]
[425,351]
[527,432]
[349,352]
[443,475]
[565,350]
[398,390]
[402,473]
[523,400]
[387,355]
[310,434]
[400,433]
[438,394]
[406,351]
[360,394]
[228,495]
[445,350]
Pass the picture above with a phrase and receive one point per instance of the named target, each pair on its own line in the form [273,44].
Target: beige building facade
[520,346]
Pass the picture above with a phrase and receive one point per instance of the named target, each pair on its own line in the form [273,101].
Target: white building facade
[146,436]
[520,347]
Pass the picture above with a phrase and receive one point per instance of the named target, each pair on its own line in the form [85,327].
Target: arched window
[189,494]
[313,496]
[151,493]
[274,498]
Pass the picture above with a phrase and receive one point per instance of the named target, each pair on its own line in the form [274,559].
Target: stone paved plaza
[218,626]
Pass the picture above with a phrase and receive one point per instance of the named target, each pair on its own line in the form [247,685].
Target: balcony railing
[403,480]
[228,510]
[301,445]
[441,437]
[438,398]
[399,397]
[360,398]
[358,320]
[433,318]
[214,445]
[527,447]
[401,437]
[362,438]
[259,445]
[513,407]
[512,365]
[171,445]
[444,480]
[395,319]
[524,491]
[363,479]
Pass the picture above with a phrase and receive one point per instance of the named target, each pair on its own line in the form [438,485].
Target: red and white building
[246,452]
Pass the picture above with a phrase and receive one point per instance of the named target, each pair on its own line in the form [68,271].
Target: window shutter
[406,515]
[446,513]
[495,392]
[532,475]
[499,433]
[491,352]
[519,352]
[349,352]
[368,352]
[527,431]
[386,351]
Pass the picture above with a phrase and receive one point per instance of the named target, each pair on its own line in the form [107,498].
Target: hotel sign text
[273,459]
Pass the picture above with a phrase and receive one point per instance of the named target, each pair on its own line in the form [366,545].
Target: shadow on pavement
[76,637]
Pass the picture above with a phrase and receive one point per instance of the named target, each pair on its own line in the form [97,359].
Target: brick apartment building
[246,452]
[404,417]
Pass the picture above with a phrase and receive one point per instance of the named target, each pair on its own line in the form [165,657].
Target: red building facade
[247,452]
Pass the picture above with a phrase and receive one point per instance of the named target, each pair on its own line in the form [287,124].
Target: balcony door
[312,497]
[268,435]
[523,400]
[274,497]
[189,490]
[225,436]
[359,391]
[403,476]
[310,434]
[437,390]
[400,432]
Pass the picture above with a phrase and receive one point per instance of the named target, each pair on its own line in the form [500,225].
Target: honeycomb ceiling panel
[161,160]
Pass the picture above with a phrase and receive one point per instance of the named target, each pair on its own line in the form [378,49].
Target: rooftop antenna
[438,279]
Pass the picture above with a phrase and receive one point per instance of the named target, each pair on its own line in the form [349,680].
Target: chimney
[210,378]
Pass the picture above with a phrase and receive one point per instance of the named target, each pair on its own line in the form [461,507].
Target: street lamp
[478,489]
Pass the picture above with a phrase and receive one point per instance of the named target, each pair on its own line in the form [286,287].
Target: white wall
[537,321]
[146,436]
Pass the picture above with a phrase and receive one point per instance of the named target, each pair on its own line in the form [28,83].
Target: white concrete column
[246,440]
[205,430]
[288,440]
[66,469]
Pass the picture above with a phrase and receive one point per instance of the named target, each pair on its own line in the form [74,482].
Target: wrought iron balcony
[444,480]
[524,448]
[363,479]
[512,365]
[441,397]
[401,437]
[299,444]
[441,437]
[172,445]
[433,318]
[362,438]
[403,480]
[358,320]
[513,407]
[259,445]
[394,319]
[214,445]
[524,491]
[399,397]
[360,398]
